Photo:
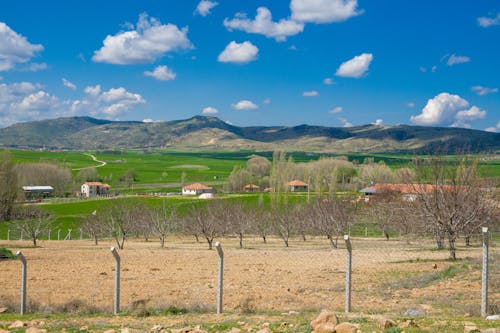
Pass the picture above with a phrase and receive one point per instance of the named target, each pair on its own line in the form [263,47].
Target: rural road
[101,163]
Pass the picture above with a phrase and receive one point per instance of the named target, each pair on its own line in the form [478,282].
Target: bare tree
[121,219]
[164,222]
[94,225]
[283,222]
[8,186]
[331,217]
[453,202]
[59,177]
[32,221]
[258,166]
[205,221]
[238,220]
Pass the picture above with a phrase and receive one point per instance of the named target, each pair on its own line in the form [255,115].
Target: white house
[196,189]
[92,189]
[298,185]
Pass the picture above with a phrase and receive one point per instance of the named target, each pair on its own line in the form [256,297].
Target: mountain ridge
[205,132]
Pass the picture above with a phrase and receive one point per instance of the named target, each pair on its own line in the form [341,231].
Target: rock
[266,325]
[385,323]
[265,330]
[325,328]
[415,313]
[325,317]
[235,330]
[18,324]
[156,328]
[35,330]
[345,328]
[109,331]
[3,309]
[4,331]
[84,328]
[470,327]
[283,325]
[494,317]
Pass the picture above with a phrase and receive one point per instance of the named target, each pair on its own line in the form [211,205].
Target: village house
[196,189]
[93,189]
[251,188]
[298,185]
[408,192]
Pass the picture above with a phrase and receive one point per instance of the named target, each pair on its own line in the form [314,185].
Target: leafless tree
[94,225]
[32,221]
[8,186]
[331,217]
[164,222]
[59,177]
[283,222]
[258,166]
[206,221]
[453,202]
[238,219]
[120,218]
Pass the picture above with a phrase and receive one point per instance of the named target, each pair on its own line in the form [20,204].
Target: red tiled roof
[297,182]
[249,186]
[94,183]
[196,186]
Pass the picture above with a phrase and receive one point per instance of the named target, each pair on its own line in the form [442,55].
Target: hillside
[199,132]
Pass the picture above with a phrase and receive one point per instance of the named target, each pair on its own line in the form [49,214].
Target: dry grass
[75,276]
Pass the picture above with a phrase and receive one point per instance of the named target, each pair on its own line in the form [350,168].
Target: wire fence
[405,276]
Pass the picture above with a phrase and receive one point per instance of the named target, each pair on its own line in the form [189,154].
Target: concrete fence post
[81,233]
[348,271]
[116,304]
[58,234]
[24,277]
[484,277]
[22,235]
[221,277]
[8,234]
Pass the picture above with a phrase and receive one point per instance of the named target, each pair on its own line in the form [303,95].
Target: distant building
[196,189]
[298,185]
[408,192]
[35,192]
[93,189]
[251,188]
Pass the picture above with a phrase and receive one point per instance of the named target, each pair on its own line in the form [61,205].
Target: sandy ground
[307,276]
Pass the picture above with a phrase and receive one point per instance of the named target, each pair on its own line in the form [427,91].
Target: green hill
[200,132]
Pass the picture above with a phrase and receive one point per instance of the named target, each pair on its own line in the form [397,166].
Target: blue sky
[282,62]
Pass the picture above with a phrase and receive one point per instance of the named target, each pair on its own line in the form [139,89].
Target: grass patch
[6,253]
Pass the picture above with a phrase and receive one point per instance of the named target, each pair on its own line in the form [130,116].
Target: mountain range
[203,133]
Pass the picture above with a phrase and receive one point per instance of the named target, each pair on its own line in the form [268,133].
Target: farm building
[34,192]
[196,189]
[408,191]
[251,188]
[93,189]
[298,185]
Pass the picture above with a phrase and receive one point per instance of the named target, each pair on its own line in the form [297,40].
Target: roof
[94,183]
[38,188]
[402,188]
[297,182]
[196,186]
[250,186]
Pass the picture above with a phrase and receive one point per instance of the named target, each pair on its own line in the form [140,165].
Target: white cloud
[263,24]
[15,48]
[68,84]
[335,110]
[239,53]
[456,59]
[110,104]
[162,73]
[312,93]
[244,105]
[493,128]
[26,101]
[448,109]
[486,22]
[328,81]
[324,11]
[355,67]
[379,122]
[410,104]
[149,41]
[345,122]
[148,120]
[204,7]
[481,91]
[209,110]
[266,101]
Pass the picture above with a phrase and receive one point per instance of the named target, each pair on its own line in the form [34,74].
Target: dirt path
[101,163]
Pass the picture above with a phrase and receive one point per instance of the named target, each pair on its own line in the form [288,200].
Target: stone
[470,327]
[109,331]
[345,328]
[35,330]
[4,331]
[325,317]
[325,328]
[266,325]
[84,328]
[494,317]
[265,330]
[156,328]
[385,323]
[3,309]
[18,324]
[415,313]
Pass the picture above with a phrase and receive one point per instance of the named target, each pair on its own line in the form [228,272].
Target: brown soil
[307,276]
